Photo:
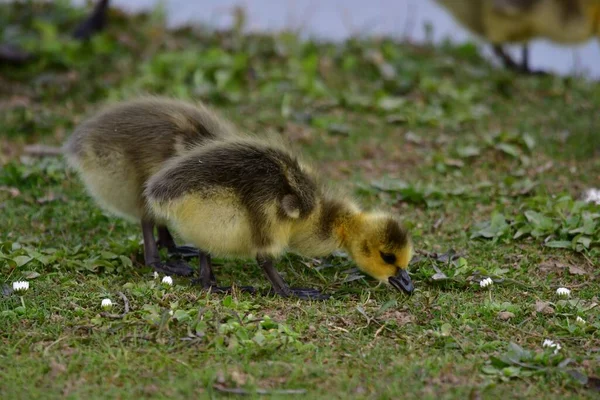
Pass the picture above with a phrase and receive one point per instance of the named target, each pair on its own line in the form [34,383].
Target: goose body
[518,21]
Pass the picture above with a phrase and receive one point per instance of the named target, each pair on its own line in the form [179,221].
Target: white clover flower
[486,282]
[106,303]
[155,275]
[20,286]
[170,312]
[592,196]
[580,320]
[167,280]
[563,291]
[552,344]
[557,348]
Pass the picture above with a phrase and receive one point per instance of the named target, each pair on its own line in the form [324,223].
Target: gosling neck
[340,220]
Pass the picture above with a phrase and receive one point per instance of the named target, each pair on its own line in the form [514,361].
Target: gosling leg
[165,240]
[509,63]
[152,257]
[525,58]
[208,280]
[281,288]
[506,59]
[525,63]
[207,276]
[94,23]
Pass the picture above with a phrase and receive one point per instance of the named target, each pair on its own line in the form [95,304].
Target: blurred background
[338,19]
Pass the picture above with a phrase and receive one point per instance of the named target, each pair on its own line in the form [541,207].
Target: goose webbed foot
[281,288]
[209,282]
[229,289]
[307,294]
[521,68]
[173,267]
[165,240]
[185,252]
[152,257]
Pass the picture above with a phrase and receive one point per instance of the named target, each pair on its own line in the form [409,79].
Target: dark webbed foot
[185,252]
[229,289]
[521,68]
[308,294]
[173,267]
[152,257]
[165,240]
[537,72]
[281,288]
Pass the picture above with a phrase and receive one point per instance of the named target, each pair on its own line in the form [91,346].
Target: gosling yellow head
[380,246]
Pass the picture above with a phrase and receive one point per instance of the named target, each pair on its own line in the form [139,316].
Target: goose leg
[207,276]
[509,63]
[525,63]
[152,257]
[165,240]
[525,58]
[208,280]
[506,59]
[281,288]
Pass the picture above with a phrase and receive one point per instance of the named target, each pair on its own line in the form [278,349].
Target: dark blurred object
[13,55]
[94,23]
[518,21]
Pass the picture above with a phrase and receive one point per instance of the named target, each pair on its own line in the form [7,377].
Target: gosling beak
[402,281]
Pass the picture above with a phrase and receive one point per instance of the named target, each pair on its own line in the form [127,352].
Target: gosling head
[382,248]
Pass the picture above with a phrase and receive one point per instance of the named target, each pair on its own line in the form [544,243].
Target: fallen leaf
[543,307]
[239,378]
[593,383]
[574,270]
[439,276]
[505,315]
[46,199]
[14,192]
[360,390]
[452,162]
[551,266]
[413,138]
[150,389]
[56,368]
[401,317]
[6,290]
[30,274]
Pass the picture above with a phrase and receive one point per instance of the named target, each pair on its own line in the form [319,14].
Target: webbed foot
[185,252]
[173,267]
[305,294]
[281,288]
[228,289]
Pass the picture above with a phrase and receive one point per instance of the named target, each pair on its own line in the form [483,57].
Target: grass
[477,160]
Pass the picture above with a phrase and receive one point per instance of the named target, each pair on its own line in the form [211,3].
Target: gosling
[518,21]
[233,195]
[116,151]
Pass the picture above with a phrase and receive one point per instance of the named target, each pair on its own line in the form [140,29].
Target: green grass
[474,159]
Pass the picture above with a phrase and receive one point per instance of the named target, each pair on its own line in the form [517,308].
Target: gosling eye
[388,258]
